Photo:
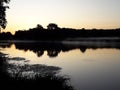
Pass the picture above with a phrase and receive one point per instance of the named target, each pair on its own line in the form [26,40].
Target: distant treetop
[52,26]
[39,26]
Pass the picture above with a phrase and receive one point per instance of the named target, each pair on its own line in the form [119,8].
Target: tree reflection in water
[53,53]
[41,76]
[31,76]
[54,48]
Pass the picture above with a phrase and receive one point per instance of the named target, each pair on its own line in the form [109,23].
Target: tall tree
[3,21]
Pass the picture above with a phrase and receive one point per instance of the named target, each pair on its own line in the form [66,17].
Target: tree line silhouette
[53,32]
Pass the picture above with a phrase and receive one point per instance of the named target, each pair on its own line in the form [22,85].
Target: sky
[25,14]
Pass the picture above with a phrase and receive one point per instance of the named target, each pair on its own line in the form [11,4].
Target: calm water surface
[89,68]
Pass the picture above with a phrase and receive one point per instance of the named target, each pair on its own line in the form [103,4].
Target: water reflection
[96,67]
[27,76]
[55,48]
[5,45]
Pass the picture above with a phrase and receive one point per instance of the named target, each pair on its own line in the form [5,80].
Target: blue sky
[25,14]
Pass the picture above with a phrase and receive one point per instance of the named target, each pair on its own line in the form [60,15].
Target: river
[89,65]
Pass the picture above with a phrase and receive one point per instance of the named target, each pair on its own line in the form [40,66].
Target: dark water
[61,65]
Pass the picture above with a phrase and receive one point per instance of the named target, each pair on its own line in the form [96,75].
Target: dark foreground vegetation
[53,32]
[40,77]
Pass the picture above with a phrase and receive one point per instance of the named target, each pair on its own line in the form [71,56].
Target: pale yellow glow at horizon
[77,14]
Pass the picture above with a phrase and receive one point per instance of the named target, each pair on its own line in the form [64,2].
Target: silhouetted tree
[52,26]
[3,21]
[39,26]
[83,29]
[6,36]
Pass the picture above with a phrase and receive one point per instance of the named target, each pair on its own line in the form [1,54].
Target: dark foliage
[55,48]
[3,21]
[6,36]
[43,77]
[62,34]
[54,33]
